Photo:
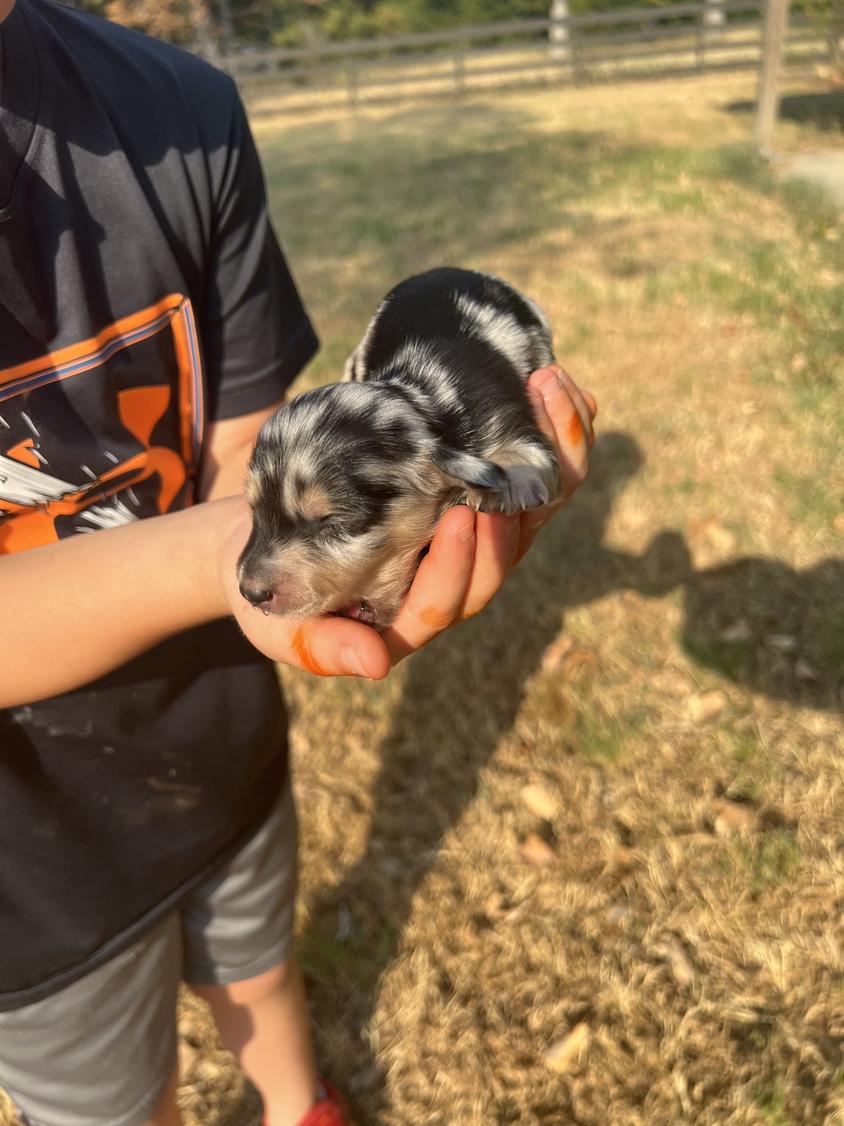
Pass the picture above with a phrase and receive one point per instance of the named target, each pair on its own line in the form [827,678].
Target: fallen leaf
[671,950]
[736,633]
[569,1050]
[633,519]
[537,851]
[804,671]
[623,859]
[499,907]
[553,656]
[781,642]
[713,533]
[617,914]
[576,660]
[733,817]
[706,705]
[539,800]
[672,682]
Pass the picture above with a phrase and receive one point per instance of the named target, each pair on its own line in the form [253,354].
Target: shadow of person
[758,622]
[770,628]
[823,109]
[463,693]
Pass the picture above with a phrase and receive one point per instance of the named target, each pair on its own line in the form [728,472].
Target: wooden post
[459,69]
[767,99]
[711,29]
[226,27]
[205,41]
[352,82]
[558,32]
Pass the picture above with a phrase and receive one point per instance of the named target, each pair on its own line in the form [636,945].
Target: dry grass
[665,669]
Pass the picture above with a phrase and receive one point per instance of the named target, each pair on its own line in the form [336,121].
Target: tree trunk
[224,11]
[204,37]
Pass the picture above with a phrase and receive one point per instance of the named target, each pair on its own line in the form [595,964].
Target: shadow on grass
[770,628]
[463,693]
[823,110]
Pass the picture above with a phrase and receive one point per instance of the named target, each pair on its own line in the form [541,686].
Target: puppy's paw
[527,486]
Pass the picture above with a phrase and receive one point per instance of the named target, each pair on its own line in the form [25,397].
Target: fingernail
[351,662]
[465,532]
[548,384]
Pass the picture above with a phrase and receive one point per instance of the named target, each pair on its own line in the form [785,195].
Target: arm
[74,610]
[228,446]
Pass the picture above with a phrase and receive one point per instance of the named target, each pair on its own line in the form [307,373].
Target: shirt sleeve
[256,334]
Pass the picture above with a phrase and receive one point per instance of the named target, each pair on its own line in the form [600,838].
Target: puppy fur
[347,482]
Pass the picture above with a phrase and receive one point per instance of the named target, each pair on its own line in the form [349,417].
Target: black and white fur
[347,482]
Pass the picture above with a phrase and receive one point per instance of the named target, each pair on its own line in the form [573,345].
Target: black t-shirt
[142,294]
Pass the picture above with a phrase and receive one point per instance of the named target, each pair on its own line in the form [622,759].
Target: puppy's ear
[473,473]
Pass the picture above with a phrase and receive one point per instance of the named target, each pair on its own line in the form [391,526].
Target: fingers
[566,418]
[338,647]
[439,589]
[585,403]
[495,553]
[565,415]
[530,525]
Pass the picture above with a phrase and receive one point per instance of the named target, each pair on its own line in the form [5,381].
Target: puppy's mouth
[358,609]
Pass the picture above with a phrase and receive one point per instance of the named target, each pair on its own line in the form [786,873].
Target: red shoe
[329,1110]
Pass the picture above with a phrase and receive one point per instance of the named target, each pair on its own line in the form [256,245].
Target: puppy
[347,482]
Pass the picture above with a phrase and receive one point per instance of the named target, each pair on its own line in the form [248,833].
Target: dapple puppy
[347,482]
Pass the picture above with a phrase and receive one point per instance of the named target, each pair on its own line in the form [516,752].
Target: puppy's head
[346,485]
[345,493]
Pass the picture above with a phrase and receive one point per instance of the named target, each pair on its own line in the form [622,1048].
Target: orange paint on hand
[439,619]
[306,658]
[575,429]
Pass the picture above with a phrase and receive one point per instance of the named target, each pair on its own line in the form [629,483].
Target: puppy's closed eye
[314,504]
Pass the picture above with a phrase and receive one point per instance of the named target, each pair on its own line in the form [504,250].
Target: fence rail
[685,38]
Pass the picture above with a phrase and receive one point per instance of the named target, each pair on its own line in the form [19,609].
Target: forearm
[74,610]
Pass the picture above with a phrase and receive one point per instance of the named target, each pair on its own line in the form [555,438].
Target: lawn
[580,861]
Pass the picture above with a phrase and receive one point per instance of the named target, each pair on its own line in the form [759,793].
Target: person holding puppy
[148,326]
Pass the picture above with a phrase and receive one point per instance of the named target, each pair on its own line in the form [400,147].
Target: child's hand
[470,557]
[459,576]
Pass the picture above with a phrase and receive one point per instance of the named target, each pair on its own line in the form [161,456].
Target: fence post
[836,33]
[352,82]
[711,28]
[459,68]
[714,19]
[767,99]
[558,32]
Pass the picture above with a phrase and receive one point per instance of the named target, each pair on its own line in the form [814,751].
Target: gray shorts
[101,1051]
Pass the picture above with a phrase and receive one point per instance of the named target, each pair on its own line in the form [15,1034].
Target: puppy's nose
[259,597]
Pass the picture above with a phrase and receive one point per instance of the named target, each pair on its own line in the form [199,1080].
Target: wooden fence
[685,38]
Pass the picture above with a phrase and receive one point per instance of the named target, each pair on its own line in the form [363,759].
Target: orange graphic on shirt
[32,499]
[140,408]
